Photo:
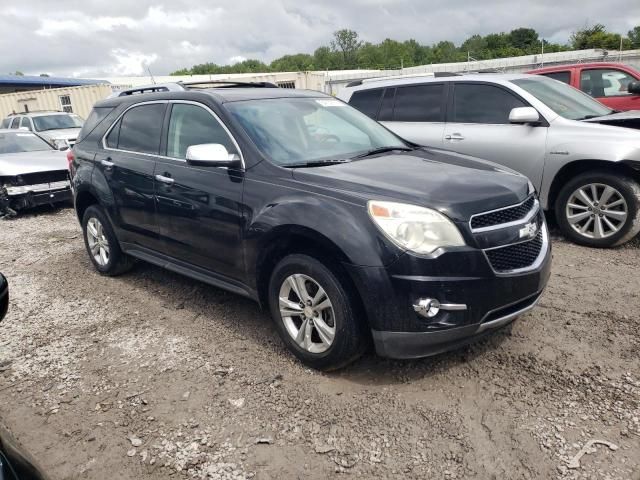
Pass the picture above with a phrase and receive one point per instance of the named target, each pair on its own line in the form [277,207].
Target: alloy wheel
[596,210]
[98,242]
[307,313]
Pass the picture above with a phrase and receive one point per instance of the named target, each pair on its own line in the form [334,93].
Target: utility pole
[620,52]
[542,55]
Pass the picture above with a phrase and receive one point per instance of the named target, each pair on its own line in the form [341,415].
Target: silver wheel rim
[307,313]
[597,211]
[98,243]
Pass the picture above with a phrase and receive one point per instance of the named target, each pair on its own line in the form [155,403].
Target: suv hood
[12,164]
[63,133]
[454,184]
[630,119]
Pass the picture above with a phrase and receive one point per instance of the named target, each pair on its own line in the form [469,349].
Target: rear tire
[584,219]
[316,313]
[102,244]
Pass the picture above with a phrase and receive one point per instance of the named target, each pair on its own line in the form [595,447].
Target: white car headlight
[419,229]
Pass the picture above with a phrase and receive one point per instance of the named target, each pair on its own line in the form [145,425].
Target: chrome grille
[516,256]
[503,215]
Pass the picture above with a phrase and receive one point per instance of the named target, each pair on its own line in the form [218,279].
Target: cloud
[88,38]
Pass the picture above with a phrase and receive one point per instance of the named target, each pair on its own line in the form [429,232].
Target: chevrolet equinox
[345,232]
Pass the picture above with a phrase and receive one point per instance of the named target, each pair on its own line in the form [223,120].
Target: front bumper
[459,277]
[28,196]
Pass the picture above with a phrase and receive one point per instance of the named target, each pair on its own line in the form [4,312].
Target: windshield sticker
[330,102]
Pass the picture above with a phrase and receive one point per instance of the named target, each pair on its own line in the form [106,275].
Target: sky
[90,38]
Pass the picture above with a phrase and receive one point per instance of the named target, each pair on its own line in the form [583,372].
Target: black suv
[295,199]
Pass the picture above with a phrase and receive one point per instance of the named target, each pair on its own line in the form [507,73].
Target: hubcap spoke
[325,332]
[622,216]
[606,195]
[289,308]
[98,242]
[584,197]
[598,231]
[91,227]
[586,226]
[578,217]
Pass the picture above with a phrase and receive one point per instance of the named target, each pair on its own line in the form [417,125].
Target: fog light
[430,307]
[427,307]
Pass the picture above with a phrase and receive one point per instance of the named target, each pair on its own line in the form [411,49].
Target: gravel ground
[153,375]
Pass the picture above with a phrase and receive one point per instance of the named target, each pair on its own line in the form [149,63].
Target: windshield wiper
[316,163]
[587,117]
[375,151]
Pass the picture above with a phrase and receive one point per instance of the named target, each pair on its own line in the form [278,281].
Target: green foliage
[347,51]
[597,37]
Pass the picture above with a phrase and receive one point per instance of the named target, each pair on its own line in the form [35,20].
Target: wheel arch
[576,167]
[290,239]
[84,199]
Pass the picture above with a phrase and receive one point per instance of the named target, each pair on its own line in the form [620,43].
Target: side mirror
[634,87]
[524,115]
[63,148]
[211,155]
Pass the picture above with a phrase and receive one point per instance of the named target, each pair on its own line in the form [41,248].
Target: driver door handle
[165,180]
[454,136]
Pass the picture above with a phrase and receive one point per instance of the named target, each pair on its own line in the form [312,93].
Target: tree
[300,62]
[346,42]
[526,39]
[634,37]
[597,36]
[44,74]
[476,46]
[18,73]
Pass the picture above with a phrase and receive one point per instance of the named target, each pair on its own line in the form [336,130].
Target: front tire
[599,209]
[102,244]
[315,313]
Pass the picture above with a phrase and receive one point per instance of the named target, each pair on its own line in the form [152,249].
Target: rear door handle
[454,136]
[165,180]
[107,164]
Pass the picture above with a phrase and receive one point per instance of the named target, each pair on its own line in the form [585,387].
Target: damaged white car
[32,173]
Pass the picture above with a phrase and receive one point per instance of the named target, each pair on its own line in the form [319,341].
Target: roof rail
[228,84]
[182,86]
[159,87]
[361,81]
[36,111]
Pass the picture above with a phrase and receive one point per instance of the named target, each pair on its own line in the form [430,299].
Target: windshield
[294,131]
[56,122]
[21,142]
[566,101]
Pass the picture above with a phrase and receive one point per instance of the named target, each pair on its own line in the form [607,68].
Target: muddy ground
[153,375]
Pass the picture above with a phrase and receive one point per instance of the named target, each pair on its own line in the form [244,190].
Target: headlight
[60,143]
[414,228]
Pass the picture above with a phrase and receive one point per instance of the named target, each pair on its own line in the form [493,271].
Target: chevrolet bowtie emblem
[529,230]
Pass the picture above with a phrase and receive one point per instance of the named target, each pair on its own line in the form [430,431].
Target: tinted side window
[562,76]
[419,103]
[386,109]
[367,101]
[16,122]
[141,127]
[112,138]
[193,125]
[95,117]
[26,123]
[478,103]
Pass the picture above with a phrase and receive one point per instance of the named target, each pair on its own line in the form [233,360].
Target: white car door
[478,125]
[415,112]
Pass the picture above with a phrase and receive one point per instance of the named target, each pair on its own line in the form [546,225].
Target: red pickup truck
[614,84]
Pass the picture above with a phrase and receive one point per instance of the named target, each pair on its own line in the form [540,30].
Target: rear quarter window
[97,115]
[367,101]
[564,76]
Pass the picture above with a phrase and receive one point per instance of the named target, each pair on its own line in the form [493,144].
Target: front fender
[337,224]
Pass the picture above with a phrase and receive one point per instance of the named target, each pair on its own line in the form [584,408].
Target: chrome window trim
[534,266]
[186,102]
[532,213]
